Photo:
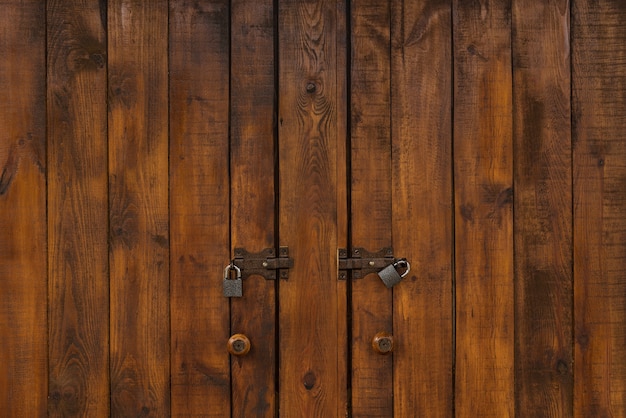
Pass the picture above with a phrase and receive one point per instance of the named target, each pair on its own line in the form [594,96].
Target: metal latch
[264,263]
[362,262]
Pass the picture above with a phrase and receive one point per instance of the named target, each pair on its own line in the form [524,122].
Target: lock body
[390,276]
[232,288]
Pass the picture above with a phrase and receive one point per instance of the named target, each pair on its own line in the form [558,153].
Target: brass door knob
[382,343]
[238,345]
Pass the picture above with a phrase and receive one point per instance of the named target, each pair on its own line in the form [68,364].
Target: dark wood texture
[142,141]
[308,313]
[372,302]
[543,209]
[199,207]
[252,163]
[78,279]
[138,207]
[23,264]
[599,126]
[421,69]
[483,180]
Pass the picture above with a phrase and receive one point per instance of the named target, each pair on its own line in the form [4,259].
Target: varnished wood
[537,298]
[78,281]
[543,209]
[138,207]
[23,298]
[309,355]
[341,192]
[252,174]
[372,307]
[483,180]
[199,212]
[599,123]
[422,207]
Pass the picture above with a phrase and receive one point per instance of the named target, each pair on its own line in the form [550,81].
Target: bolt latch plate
[362,262]
[264,263]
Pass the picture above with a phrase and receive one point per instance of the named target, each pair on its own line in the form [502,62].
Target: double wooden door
[144,141]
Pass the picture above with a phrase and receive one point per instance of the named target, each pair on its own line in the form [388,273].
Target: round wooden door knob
[382,343]
[238,345]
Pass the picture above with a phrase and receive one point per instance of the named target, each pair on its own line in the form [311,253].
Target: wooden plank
[483,177]
[543,209]
[252,201]
[308,149]
[372,302]
[139,230]
[199,210]
[421,69]
[78,285]
[342,112]
[23,259]
[599,123]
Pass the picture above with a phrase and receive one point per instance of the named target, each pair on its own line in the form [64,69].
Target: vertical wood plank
[308,149]
[422,206]
[252,200]
[78,290]
[372,378]
[599,123]
[483,176]
[199,208]
[23,300]
[543,209]
[341,78]
[138,204]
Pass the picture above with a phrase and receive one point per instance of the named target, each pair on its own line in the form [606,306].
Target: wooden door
[145,142]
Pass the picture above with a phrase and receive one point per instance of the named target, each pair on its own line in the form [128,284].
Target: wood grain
[543,209]
[372,374]
[421,69]
[23,258]
[341,191]
[138,207]
[199,207]
[252,164]
[78,282]
[483,179]
[599,123]
[309,341]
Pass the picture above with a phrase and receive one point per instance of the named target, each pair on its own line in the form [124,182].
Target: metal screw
[265,264]
[371,263]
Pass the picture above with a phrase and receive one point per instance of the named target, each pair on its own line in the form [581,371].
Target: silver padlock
[390,276]
[233,288]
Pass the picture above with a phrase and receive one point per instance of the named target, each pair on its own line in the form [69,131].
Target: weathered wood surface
[599,127]
[138,207]
[483,190]
[23,263]
[543,209]
[199,213]
[143,141]
[252,201]
[421,99]
[78,279]
[307,129]
[371,302]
